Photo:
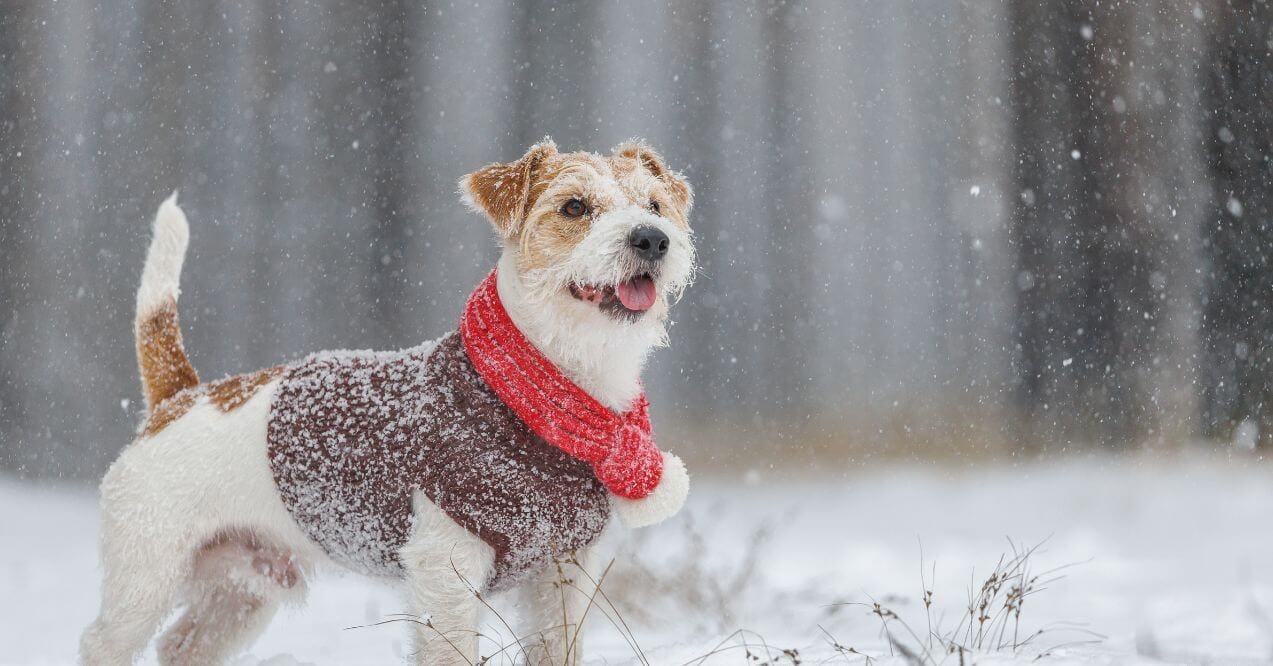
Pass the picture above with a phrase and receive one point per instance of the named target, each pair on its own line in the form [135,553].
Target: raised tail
[161,358]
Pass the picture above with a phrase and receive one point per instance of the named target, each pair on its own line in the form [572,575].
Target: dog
[482,461]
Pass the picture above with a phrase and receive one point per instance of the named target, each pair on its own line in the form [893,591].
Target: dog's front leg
[556,603]
[445,564]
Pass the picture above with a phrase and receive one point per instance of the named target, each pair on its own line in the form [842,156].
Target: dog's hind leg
[142,572]
[445,564]
[236,585]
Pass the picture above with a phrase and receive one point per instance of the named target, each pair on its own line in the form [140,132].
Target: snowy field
[1173,563]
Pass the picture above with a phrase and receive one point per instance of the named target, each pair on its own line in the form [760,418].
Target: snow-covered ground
[1173,564]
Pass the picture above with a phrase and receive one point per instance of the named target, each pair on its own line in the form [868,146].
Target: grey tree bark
[1103,225]
[1238,237]
[785,246]
[20,127]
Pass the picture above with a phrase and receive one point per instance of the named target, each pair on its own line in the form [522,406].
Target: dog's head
[598,238]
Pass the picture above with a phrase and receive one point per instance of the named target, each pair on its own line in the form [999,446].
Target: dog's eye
[574,208]
[654,207]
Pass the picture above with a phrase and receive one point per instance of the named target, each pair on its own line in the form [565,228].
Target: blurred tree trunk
[267,189]
[19,128]
[390,52]
[165,63]
[785,241]
[1238,322]
[698,95]
[556,59]
[980,198]
[1102,102]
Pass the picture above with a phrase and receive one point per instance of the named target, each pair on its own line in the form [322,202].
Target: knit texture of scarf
[620,447]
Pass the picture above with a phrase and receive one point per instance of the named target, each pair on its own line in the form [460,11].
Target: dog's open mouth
[631,297]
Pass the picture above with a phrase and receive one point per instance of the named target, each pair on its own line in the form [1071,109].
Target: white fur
[667,499]
[160,279]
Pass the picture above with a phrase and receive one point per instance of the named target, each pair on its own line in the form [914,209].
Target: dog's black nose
[649,243]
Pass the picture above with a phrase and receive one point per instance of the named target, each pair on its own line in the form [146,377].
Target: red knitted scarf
[620,447]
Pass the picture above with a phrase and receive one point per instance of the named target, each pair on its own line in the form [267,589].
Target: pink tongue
[637,293]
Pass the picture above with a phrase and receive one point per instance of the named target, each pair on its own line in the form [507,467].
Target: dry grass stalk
[991,622]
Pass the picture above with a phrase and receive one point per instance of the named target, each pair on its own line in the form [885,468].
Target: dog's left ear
[680,190]
[502,191]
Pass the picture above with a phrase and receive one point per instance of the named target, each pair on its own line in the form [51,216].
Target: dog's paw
[667,499]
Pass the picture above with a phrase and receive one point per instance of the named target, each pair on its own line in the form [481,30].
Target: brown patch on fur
[161,358]
[227,394]
[168,411]
[503,190]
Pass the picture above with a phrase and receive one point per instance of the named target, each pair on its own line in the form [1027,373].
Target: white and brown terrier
[474,462]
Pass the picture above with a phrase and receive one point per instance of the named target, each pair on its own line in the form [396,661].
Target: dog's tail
[161,358]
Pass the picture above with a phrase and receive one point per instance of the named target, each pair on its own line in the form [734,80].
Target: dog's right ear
[502,191]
